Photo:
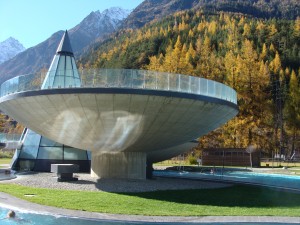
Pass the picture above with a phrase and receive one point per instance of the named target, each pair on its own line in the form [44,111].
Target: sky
[33,21]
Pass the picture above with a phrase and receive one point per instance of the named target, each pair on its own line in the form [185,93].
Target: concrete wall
[127,165]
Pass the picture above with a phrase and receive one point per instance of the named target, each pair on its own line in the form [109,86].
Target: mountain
[149,10]
[157,9]
[94,27]
[9,48]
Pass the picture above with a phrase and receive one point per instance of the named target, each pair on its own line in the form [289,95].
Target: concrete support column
[128,165]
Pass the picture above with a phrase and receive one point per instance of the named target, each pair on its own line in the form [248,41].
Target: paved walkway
[5,174]
[87,183]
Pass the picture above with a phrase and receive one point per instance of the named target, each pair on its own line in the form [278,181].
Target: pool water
[40,219]
[273,180]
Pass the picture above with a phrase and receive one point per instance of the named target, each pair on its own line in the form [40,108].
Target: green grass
[4,161]
[280,164]
[233,201]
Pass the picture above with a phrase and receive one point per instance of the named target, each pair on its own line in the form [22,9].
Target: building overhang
[108,120]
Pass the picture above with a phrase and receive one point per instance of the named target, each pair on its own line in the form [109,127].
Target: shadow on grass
[238,195]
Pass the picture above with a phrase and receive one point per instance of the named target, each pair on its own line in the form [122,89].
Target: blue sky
[33,21]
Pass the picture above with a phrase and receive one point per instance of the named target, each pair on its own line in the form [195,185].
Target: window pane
[49,143]
[74,154]
[30,146]
[50,153]
[28,152]
[69,66]
[60,73]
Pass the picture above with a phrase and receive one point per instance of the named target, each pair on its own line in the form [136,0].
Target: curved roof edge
[173,94]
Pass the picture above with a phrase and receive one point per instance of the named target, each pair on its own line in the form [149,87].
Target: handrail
[121,78]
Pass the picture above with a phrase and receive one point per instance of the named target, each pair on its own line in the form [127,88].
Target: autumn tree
[292,110]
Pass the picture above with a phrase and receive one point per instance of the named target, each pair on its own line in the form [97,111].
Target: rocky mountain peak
[96,26]
[10,48]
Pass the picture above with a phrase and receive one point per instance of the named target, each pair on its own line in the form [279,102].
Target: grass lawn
[234,201]
[280,164]
[4,161]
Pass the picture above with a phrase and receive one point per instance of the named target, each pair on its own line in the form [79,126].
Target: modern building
[127,118]
[37,152]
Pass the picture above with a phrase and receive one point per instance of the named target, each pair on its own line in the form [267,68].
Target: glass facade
[62,73]
[37,152]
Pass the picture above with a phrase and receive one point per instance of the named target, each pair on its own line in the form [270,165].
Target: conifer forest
[258,57]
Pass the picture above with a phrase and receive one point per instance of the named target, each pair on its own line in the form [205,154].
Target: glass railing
[121,78]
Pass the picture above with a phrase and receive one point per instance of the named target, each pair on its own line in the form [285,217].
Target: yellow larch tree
[275,64]
[272,30]
[247,30]
[155,63]
[264,52]
[297,27]
[292,111]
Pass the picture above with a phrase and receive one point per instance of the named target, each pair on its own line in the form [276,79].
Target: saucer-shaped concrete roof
[124,111]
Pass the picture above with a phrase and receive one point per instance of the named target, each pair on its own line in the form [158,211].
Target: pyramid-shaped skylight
[63,72]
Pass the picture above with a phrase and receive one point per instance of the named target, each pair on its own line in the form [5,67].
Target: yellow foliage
[201,26]
[212,27]
[191,33]
[275,65]
[264,52]
[247,30]
[272,48]
[272,30]
[297,27]
[260,26]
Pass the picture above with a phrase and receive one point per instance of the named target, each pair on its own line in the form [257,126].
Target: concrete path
[6,174]
[10,202]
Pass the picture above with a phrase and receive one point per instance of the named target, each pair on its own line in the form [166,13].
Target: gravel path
[87,183]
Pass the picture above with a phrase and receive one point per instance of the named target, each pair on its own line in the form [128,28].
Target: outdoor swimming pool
[273,180]
[39,219]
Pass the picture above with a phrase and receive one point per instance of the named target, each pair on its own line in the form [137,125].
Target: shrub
[192,160]
[4,155]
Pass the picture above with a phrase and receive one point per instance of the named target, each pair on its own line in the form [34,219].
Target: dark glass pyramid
[64,47]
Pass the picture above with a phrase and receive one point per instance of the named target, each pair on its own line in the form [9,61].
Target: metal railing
[122,78]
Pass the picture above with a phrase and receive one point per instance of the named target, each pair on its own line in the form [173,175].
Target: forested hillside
[259,58]
[149,10]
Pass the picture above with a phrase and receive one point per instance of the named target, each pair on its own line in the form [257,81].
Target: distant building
[229,157]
